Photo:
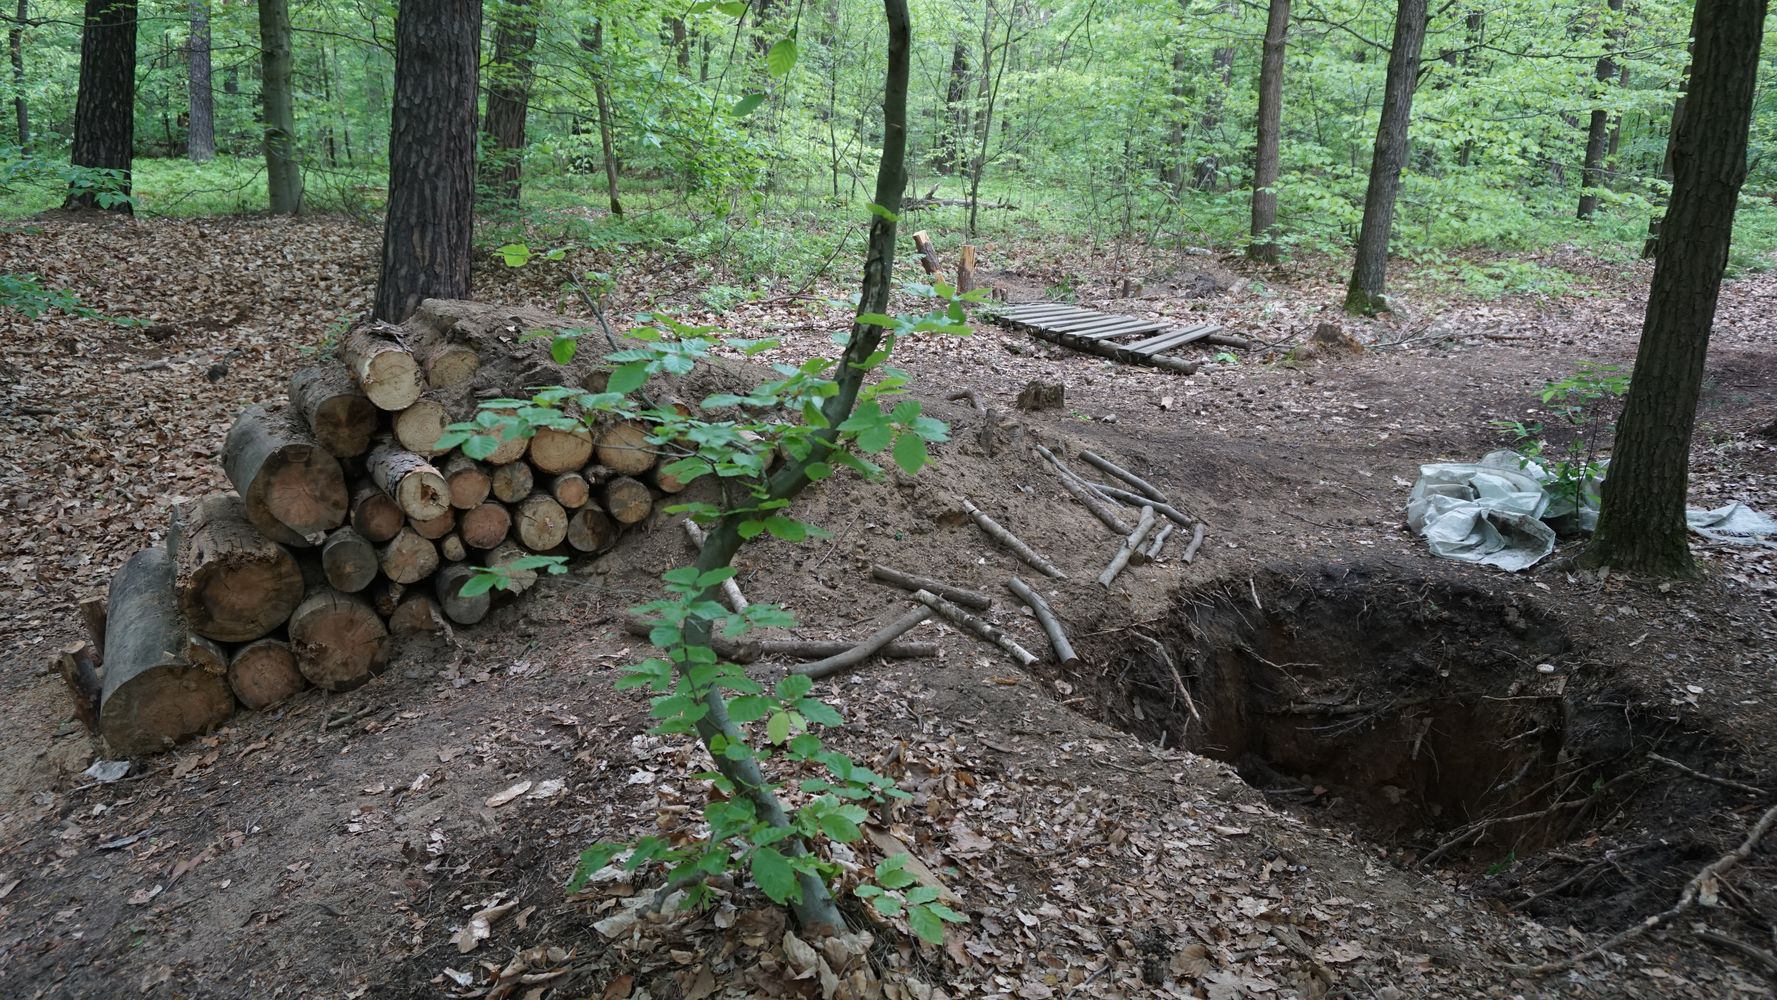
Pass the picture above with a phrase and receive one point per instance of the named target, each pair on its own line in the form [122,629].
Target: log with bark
[411,481]
[912,582]
[294,489]
[264,674]
[982,628]
[1058,640]
[1129,548]
[338,639]
[232,583]
[385,370]
[348,560]
[469,483]
[999,534]
[339,415]
[152,696]
[866,649]
[375,515]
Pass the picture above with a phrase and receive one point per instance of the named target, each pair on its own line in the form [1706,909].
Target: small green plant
[1584,405]
[26,294]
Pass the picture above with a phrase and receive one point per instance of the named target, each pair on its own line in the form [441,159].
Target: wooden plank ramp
[1093,332]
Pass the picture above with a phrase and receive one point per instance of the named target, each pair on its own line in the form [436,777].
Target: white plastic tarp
[1497,512]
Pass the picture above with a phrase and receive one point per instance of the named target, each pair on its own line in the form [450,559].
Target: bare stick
[1159,542]
[911,582]
[1196,542]
[1686,899]
[1129,547]
[1110,468]
[1165,510]
[1081,492]
[1064,650]
[1700,776]
[731,590]
[1011,541]
[957,616]
[866,649]
[1759,955]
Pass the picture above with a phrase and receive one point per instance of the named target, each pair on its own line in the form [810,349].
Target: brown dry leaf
[620,988]
[480,927]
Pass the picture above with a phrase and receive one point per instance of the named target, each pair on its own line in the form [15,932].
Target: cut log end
[408,557]
[627,500]
[540,523]
[486,526]
[264,674]
[375,515]
[411,481]
[385,371]
[554,451]
[338,639]
[624,448]
[464,610]
[153,696]
[233,583]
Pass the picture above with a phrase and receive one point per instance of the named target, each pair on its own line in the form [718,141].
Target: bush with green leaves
[1584,404]
[741,722]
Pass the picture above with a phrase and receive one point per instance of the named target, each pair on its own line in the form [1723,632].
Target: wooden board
[1177,337]
[1093,332]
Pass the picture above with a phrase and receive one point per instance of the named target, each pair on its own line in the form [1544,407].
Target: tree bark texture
[428,230]
[200,129]
[1641,527]
[1265,160]
[602,94]
[105,108]
[508,102]
[15,43]
[283,178]
[1369,271]
[1598,128]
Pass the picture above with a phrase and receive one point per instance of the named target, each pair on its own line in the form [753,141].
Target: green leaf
[892,874]
[562,348]
[772,871]
[591,860]
[482,582]
[925,924]
[778,729]
[922,894]
[888,906]
[788,529]
[794,686]
[748,104]
[748,708]
[627,378]
[782,57]
[839,828]
[815,710]
[910,453]
[481,446]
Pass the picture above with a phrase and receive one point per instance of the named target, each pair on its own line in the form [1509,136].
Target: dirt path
[336,847]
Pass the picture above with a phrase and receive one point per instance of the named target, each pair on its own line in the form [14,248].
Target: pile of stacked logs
[347,524]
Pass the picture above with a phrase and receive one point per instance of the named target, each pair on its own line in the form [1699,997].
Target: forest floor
[1373,709]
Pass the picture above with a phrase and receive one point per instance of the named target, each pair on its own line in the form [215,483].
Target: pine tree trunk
[21,108]
[200,130]
[1598,129]
[1265,161]
[1369,271]
[508,102]
[283,180]
[429,226]
[1641,527]
[105,108]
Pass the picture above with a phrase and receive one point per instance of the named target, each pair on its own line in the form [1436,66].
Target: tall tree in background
[283,178]
[509,100]
[601,90]
[1369,271]
[200,132]
[1642,527]
[1265,159]
[105,108]
[1598,129]
[429,226]
[21,108]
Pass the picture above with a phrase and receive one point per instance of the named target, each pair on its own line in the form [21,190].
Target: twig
[1178,679]
[1759,955]
[1686,899]
[957,616]
[1165,510]
[911,582]
[1196,542]
[1159,542]
[1128,548]
[1111,468]
[1011,541]
[1064,650]
[866,649]
[1081,492]
[835,546]
[1700,776]
[731,590]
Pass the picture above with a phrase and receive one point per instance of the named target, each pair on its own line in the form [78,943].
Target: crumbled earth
[411,838]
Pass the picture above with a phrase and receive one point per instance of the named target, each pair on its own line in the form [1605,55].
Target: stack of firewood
[348,524]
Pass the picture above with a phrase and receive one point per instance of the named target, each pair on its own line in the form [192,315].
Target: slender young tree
[1265,158]
[200,132]
[508,101]
[601,90]
[1598,128]
[105,108]
[283,177]
[429,225]
[1641,526]
[15,42]
[1369,272]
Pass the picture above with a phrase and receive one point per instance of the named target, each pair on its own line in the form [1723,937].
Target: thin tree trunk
[1209,168]
[1369,271]
[602,94]
[508,102]
[681,46]
[1641,527]
[1475,25]
[200,130]
[427,235]
[1265,161]
[327,137]
[21,108]
[984,125]
[1598,129]
[956,110]
[283,181]
[105,108]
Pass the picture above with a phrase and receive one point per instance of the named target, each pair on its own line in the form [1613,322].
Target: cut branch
[1011,541]
[1110,468]
[987,631]
[868,648]
[1058,641]
[1130,546]
[911,582]
[1081,492]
